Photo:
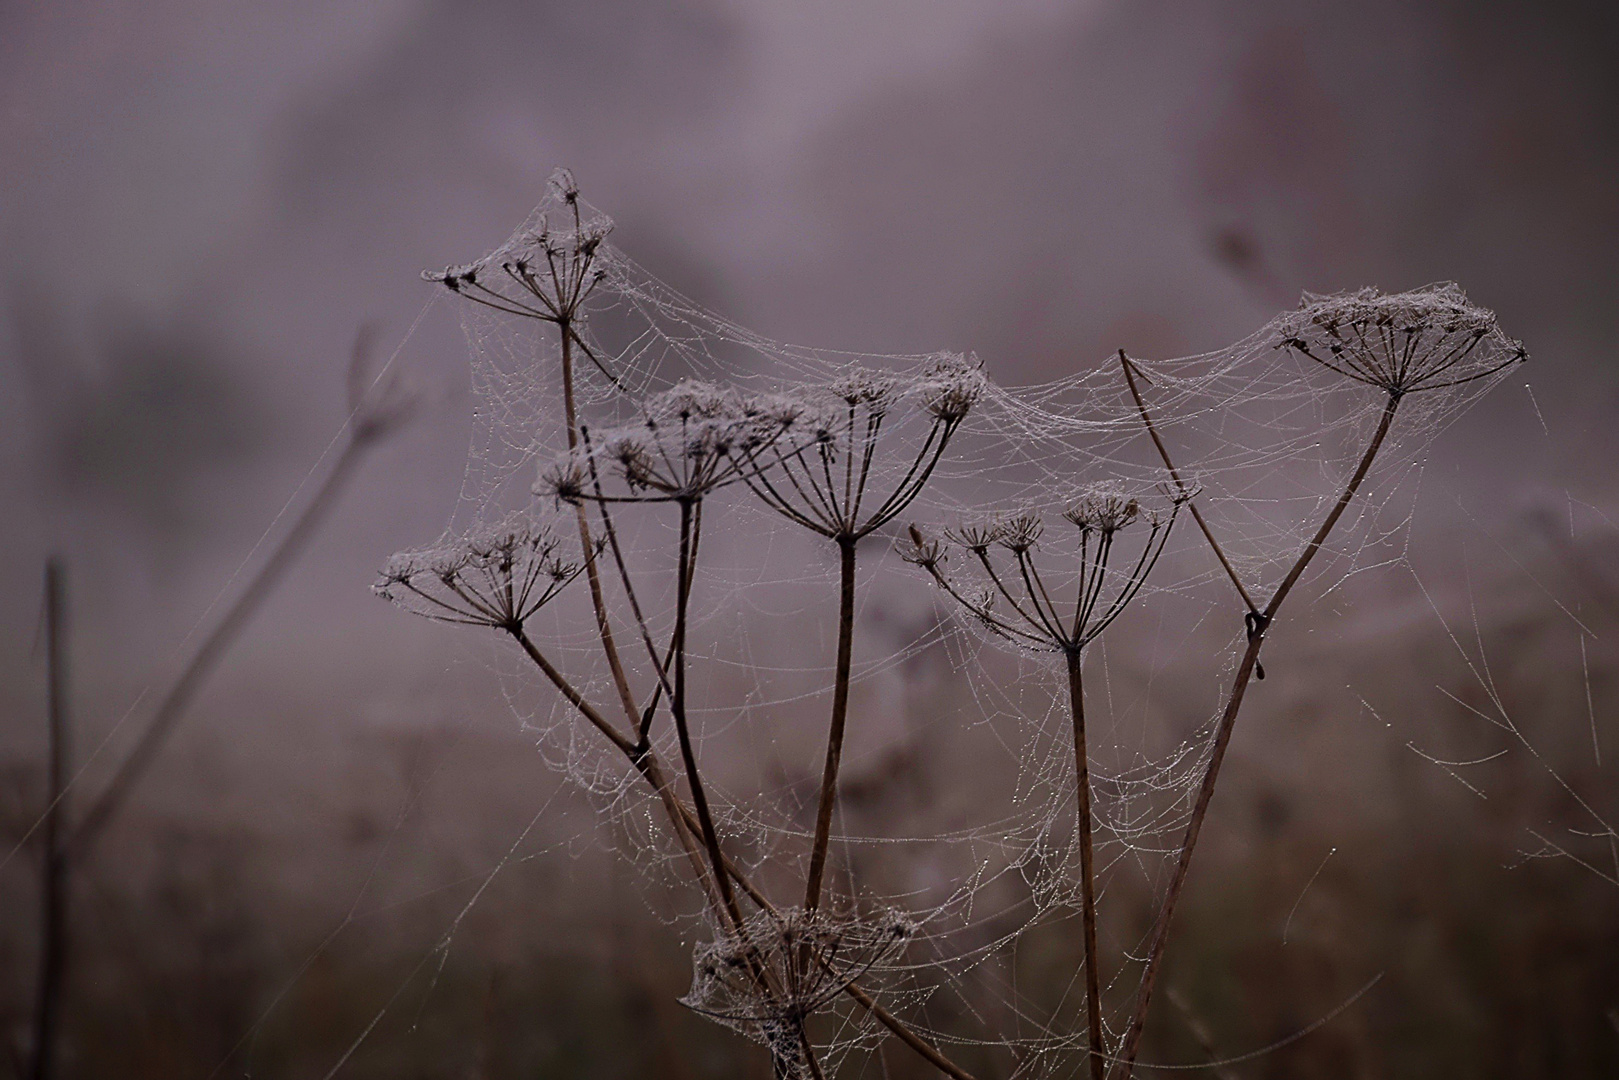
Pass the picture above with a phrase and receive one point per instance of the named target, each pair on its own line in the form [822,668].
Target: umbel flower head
[1402,343]
[690,440]
[1036,617]
[496,575]
[839,484]
[546,269]
[782,966]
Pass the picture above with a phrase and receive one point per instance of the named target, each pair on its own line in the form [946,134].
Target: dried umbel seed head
[495,575]
[781,966]
[547,268]
[920,550]
[563,186]
[1020,532]
[563,481]
[1402,343]
[1103,509]
[875,390]
[691,399]
[950,386]
[979,537]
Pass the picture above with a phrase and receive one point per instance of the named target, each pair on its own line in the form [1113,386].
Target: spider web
[956,816]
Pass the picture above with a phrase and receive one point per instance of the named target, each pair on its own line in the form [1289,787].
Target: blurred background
[200,204]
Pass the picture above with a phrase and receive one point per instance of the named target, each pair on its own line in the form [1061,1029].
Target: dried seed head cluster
[690,440]
[825,483]
[497,575]
[843,455]
[782,966]
[545,271]
[1037,620]
[1402,343]
[1105,509]
[950,385]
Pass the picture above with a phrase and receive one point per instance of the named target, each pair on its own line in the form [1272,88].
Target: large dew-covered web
[647,472]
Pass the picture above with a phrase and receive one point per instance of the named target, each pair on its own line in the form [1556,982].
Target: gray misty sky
[200,203]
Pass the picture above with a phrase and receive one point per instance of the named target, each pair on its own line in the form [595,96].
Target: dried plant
[842,450]
[1036,620]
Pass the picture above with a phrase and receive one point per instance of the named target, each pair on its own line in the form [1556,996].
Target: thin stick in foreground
[55,880]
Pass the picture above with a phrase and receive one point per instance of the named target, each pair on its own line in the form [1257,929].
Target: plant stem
[840,713]
[646,763]
[1087,867]
[686,825]
[212,649]
[906,1035]
[587,548]
[677,706]
[55,878]
[1180,485]
[1228,719]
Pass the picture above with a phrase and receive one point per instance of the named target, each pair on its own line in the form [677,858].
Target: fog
[202,205]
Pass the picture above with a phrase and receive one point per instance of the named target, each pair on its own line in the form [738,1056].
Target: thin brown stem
[906,1035]
[840,713]
[677,706]
[604,628]
[687,824]
[1338,509]
[1245,670]
[55,880]
[1087,867]
[646,764]
[1180,485]
[211,651]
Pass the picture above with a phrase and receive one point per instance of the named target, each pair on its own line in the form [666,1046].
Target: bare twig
[55,880]
[380,412]
[604,627]
[1197,515]
[840,713]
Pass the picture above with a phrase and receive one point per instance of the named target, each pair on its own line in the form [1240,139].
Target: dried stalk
[687,825]
[1257,625]
[1180,484]
[55,878]
[677,706]
[840,713]
[373,421]
[1087,868]
[604,628]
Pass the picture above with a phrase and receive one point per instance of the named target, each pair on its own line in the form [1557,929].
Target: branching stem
[1180,484]
[1258,624]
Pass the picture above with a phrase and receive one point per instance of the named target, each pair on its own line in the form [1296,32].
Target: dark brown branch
[55,880]
[604,628]
[1180,485]
[840,712]
[1087,867]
